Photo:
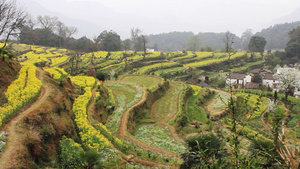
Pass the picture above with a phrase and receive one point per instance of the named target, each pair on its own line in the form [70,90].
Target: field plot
[43,54]
[253,99]
[170,71]
[159,137]
[219,103]
[149,82]
[194,111]
[126,95]
[215,59]
[149,68]
[168,106]
[187,56]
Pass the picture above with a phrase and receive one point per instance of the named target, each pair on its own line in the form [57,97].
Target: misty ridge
[91,18]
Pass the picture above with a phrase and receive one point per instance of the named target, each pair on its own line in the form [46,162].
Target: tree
[292,48]
[47,22]
[288,80]
[145,41]
[12,18]
[228,40]
[203,149]
[257,79]
[245,38]
[126,44]
[137,40]
[46,37]
[257,44]
[28,35]
[193,43]
[110,41]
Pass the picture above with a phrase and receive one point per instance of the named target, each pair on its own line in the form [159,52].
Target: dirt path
[123,133]
[12,127]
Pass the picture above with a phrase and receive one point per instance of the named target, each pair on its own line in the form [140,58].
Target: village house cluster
[259,78]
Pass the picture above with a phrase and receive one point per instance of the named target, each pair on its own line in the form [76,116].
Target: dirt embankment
[33,136]
[151,98]
[9,70]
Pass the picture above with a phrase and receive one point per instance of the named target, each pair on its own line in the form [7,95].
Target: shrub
[70,152]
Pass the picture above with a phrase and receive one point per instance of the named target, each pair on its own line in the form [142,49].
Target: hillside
[277,35]
[121,110]
[8,73]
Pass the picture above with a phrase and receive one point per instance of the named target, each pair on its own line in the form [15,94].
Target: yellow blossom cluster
[96,54]
[59,60]
[57,74]
[83,81]
[196,89]
[91,137]
[21,92]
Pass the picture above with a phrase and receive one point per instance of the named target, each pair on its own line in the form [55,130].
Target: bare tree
[135,33]
[12,18]
[61,29]
[47,22]
[228,40]
[136,39]
[71,30]
[31,23]
[144,40]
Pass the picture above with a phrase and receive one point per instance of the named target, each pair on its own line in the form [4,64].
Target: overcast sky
[158,16]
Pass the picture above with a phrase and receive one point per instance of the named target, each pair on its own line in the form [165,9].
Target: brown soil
[25,143]
[12,130]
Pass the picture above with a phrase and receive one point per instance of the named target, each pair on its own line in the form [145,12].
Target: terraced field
[126,95]
[170,114]
[167,107]
[149,82]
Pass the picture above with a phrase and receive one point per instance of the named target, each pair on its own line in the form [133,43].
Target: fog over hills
[91,17]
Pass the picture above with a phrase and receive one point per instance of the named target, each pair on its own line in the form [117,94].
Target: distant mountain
[293,17]
[277,35]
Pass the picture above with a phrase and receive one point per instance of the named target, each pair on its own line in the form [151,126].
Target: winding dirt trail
[123,132]
[12,127]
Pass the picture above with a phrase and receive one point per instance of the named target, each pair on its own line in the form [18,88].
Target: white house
[268,80]
[235,78]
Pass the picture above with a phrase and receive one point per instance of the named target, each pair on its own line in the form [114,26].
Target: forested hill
[177,40]
[277,35]
[171,41]
[216,40]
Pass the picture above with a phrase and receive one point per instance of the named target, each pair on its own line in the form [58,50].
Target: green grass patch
[194,111]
